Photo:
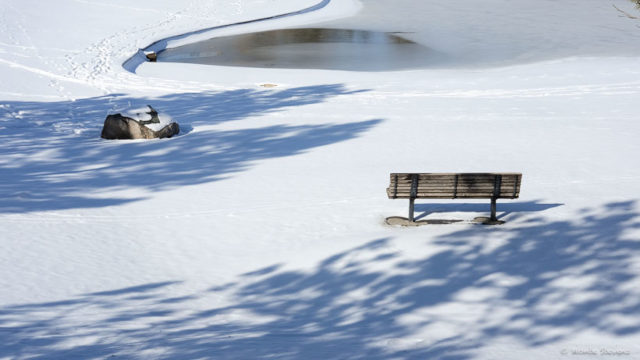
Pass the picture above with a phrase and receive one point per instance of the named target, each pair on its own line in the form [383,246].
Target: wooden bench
[492,186]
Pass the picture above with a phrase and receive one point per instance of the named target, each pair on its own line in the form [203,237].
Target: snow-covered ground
[259,232]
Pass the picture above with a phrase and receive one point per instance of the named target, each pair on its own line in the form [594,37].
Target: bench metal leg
[414,194]
[411,209]
[497,186]
[493,210]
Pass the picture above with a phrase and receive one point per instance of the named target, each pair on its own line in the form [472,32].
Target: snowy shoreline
[346,8]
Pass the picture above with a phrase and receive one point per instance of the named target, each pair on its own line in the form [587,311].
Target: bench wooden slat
[453,183]
[503,188]
[508,185]
[436,176]
[422,183]
[452,180]
[451,195]
[479,191]
[462,185]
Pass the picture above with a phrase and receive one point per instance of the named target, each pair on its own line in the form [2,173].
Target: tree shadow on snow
[533,285]
[53,157]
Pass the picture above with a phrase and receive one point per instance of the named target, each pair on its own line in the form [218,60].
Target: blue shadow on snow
[56,159]
[538,284]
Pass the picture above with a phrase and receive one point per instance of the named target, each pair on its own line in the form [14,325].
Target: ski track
[99,3]
[105,55]
[99,65]
[95,65]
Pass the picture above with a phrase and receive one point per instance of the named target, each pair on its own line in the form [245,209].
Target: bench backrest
[453,186]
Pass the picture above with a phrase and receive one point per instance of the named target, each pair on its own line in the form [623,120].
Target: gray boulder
[139,124]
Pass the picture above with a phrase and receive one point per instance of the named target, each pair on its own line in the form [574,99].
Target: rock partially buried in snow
[144,123]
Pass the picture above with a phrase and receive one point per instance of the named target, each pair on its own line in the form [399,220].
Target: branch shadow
[537,284]
[52,156]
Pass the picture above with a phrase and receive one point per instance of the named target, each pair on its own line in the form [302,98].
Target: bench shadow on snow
[504,209]
[56,160]
[533,285]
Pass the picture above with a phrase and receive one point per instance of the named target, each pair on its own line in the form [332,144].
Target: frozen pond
[396,35]
[315,48]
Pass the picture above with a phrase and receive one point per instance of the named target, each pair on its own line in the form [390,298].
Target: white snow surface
[259,231]
[144,114]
